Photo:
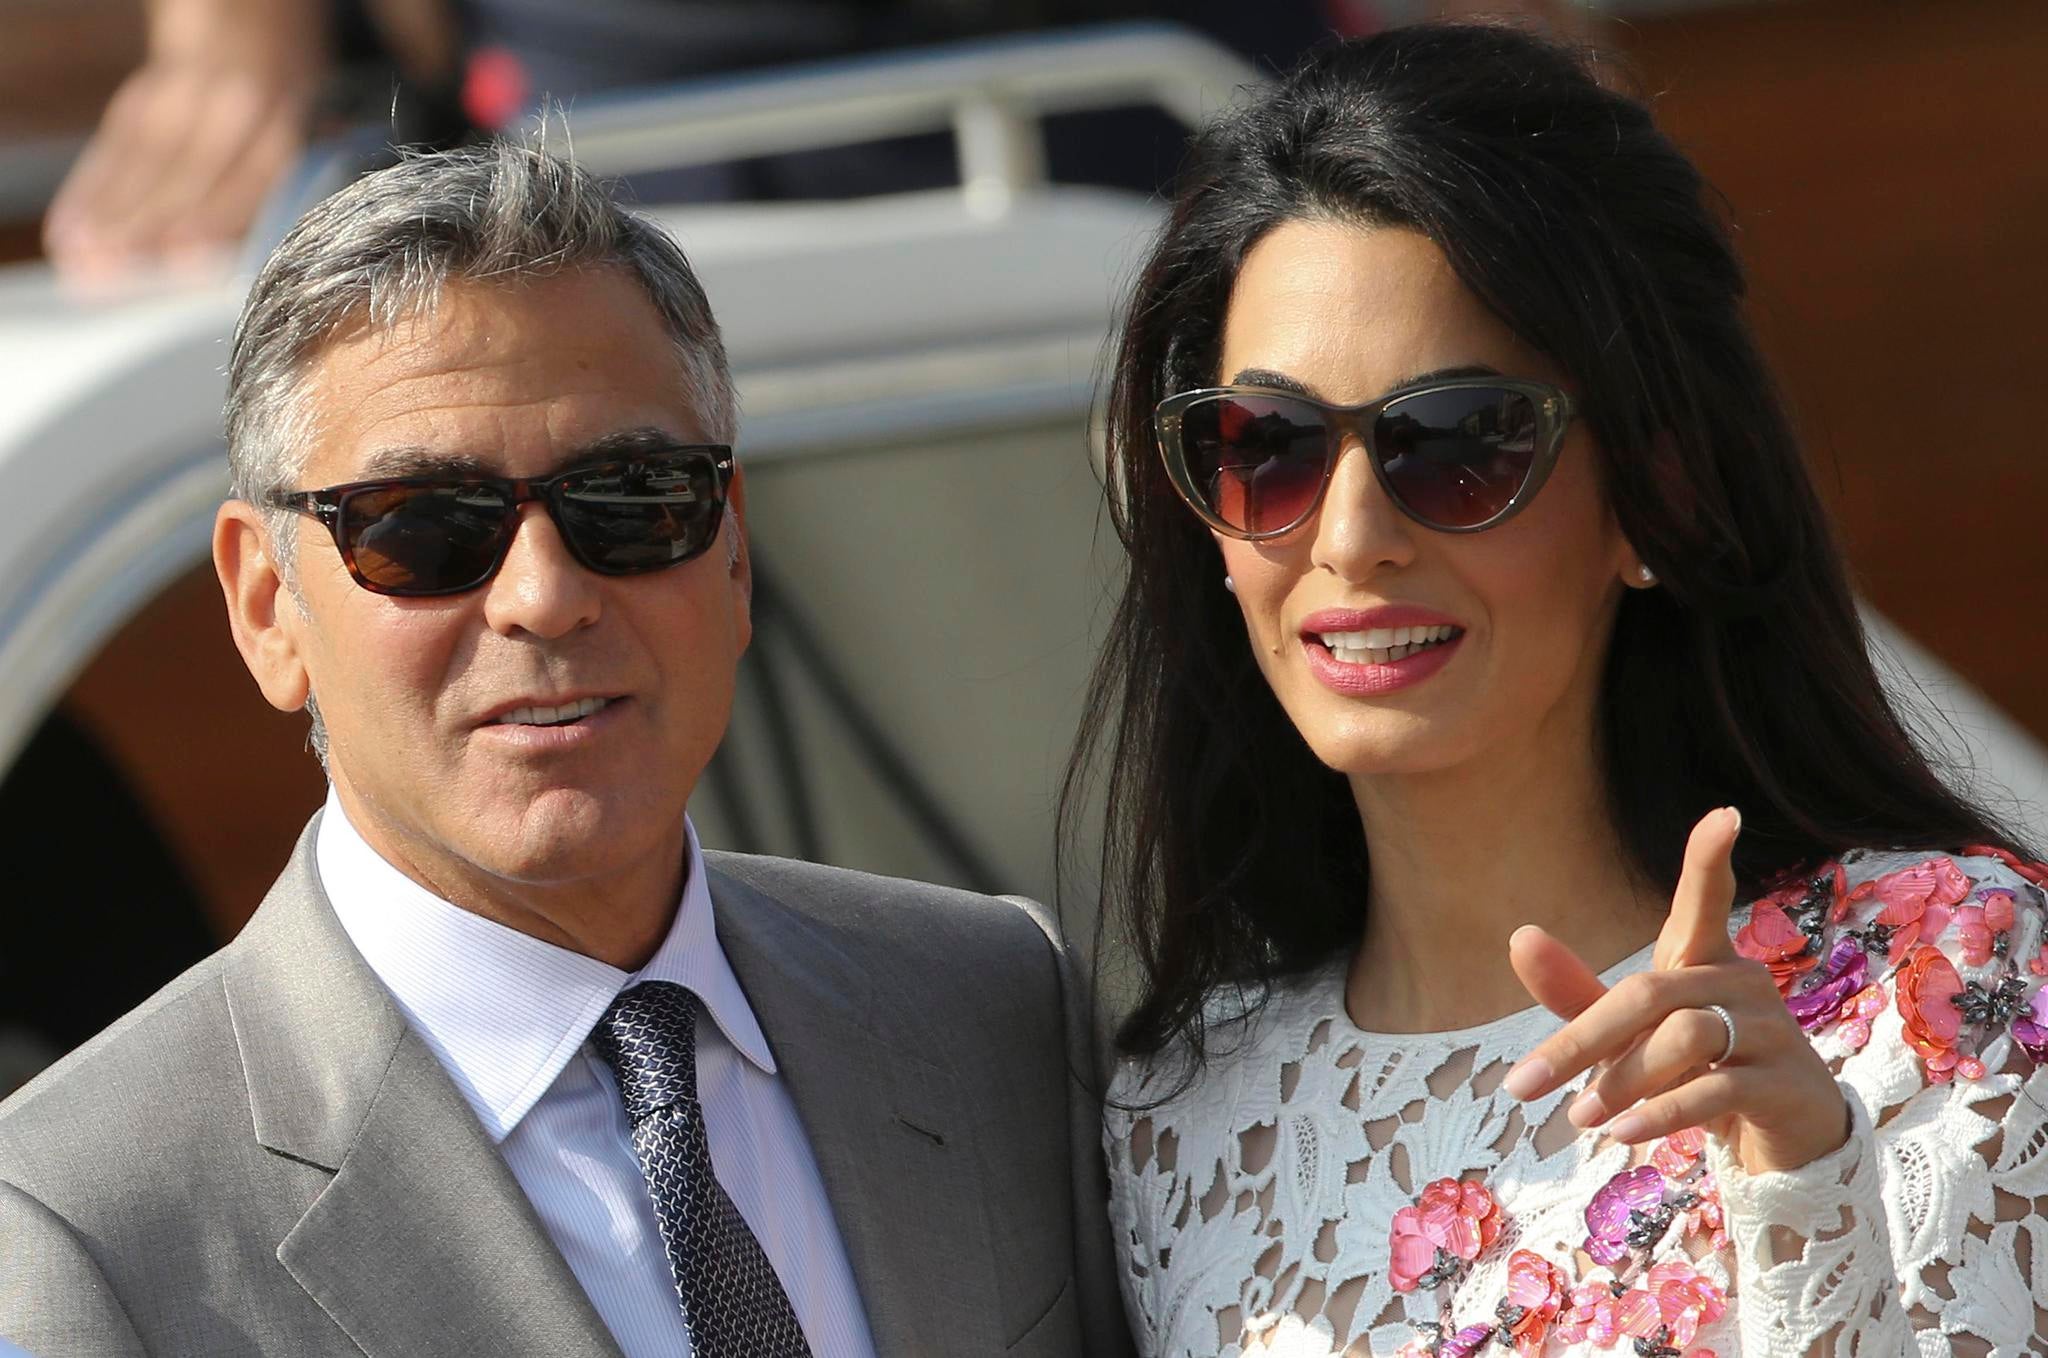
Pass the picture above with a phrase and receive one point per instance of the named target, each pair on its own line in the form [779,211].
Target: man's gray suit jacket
[265,1159]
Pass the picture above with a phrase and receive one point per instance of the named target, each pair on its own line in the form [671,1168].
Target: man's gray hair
[384,248]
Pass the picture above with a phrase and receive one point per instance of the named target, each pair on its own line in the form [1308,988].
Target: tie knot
[649,1039]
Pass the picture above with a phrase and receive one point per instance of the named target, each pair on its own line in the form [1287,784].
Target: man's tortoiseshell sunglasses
[426,535]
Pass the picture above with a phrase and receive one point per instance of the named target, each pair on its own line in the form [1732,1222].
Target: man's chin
[567,834]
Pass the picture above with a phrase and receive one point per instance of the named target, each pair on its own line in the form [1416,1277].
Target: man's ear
[261,613]
[741,558]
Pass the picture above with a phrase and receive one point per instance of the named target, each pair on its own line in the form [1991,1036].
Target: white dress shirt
[508,1015]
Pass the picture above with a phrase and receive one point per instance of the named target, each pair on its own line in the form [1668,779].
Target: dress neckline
[1327,996]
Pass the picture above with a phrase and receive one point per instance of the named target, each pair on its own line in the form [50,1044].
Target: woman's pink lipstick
[1364,679]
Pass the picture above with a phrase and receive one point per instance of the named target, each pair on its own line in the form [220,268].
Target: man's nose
[541,589]
[1359,529]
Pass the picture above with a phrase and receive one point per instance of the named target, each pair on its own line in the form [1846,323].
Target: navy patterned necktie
[732,1300]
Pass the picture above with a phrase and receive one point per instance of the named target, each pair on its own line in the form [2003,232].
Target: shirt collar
[504,1011]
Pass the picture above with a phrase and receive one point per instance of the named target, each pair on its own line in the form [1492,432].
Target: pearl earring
[1229,584]
[1646,575]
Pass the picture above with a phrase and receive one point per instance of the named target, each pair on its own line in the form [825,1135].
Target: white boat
[917,373]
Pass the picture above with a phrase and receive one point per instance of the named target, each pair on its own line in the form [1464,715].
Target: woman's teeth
[1383,645]
[551,716]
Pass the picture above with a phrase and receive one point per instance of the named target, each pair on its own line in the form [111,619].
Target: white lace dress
[1253,1211]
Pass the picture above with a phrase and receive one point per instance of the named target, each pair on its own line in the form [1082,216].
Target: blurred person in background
[231,93]
[224,103]
[505,1063]
[1484,640]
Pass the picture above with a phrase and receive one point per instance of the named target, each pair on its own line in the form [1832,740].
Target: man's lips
[521,732]
[550,710]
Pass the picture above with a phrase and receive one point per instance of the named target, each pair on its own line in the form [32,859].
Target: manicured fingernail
[1524,1080]
[1735,819]
[1587,1110]
[1628,1127]
[1519,931]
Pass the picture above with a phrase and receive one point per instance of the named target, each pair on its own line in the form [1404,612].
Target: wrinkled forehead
[508,379]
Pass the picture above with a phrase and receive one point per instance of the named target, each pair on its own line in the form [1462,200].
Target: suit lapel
[896,1150]
[422,1241]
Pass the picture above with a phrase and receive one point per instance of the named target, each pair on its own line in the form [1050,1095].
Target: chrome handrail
[991,94]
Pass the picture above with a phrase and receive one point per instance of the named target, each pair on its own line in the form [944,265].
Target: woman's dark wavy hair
[1231,854]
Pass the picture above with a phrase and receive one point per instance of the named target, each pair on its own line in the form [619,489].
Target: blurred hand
[192,141]
[1772,1101]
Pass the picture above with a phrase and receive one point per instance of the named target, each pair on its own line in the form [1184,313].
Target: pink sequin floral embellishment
[1918,902]
[1626,1214]
[1445,1230]
[1859,1013]
[1686,1300]
[1536,1293]
[1979,925]
[2031,1031]
[1928,985]
[1599,1309]
[1770,937]
[1662,1312]
[1677,1153]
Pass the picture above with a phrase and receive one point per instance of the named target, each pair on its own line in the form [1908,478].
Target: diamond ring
[1727,1022]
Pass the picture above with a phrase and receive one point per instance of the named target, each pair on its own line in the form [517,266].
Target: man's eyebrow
[1279,381]
[625,443]
[412,459]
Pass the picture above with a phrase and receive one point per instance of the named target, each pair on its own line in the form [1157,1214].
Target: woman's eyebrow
[1266,377]
[1279,381]
[1445,375]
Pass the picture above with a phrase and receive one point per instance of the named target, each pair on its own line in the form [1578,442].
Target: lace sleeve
[1134,1180]
[1920,980]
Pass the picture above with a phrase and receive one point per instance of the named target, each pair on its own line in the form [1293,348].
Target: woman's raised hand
[1665,1058]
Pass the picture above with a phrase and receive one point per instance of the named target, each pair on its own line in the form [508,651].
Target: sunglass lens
[642,514]
[1457,458]
[1257,461]
[424,539]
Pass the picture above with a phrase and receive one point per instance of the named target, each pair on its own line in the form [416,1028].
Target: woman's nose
[1359,529]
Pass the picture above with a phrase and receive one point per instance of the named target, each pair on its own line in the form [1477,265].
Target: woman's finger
[1552,973]
[1696,1103]
[1618,1019]
[1683,1045]
[1696,931]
